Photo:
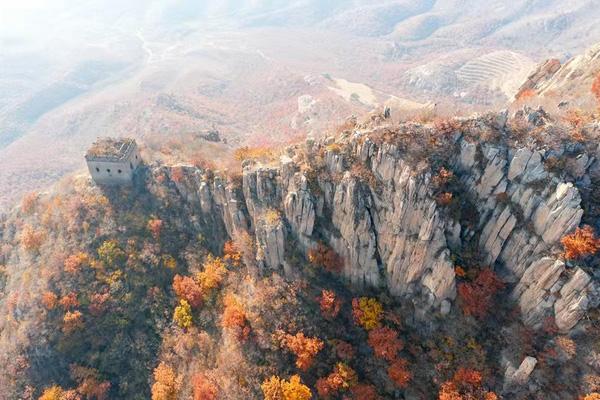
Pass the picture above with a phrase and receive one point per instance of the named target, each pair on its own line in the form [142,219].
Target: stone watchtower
[113,161]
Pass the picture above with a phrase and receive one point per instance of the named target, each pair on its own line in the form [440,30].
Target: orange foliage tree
[234,317]
[32,239]
[49,300]
[231,254]
[581,243]
[155,227]
[74,262]
[325,257]
[203,388]
[166,383]
[399,373]
[465,385]
[72,321]
[69,301]
[596,87]
[476,297]
[367,312]
[385,343]
[340,380]
[329,303]
[304,348]
[186,288]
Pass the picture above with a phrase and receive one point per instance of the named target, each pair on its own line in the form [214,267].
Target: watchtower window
[97,169]
[108,170]
[119,171]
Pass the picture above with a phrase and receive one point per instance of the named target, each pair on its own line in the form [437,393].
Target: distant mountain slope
[570,82]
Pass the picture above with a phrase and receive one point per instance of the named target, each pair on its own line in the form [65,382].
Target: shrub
[367,312]
[581,243]
[444,199]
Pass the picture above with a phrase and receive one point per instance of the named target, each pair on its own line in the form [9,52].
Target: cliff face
[377,208]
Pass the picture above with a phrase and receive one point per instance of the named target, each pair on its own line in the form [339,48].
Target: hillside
[74,71]
[393,260]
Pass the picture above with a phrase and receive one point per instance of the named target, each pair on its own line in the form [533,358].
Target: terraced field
[504,70]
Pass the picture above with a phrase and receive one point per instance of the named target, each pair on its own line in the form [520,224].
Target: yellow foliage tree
[275,388]
[52,393]
[367,312]
[183,314]
[212,275]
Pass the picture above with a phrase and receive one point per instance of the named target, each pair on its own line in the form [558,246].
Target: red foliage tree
[341,379]
[364,392]
[399,373]
[186,288]
[98,303]
[344,350]
[325,257]
[581,243]
[385,343]
[330,304]
[477,297]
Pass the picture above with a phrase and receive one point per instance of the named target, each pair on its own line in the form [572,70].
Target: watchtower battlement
[113,161]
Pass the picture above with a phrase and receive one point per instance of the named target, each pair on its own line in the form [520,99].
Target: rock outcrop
[379,212]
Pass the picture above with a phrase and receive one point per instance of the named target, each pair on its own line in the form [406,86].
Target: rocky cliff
[377,204]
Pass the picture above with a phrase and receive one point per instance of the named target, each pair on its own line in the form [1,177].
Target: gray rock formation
[520,376]
[378,211]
